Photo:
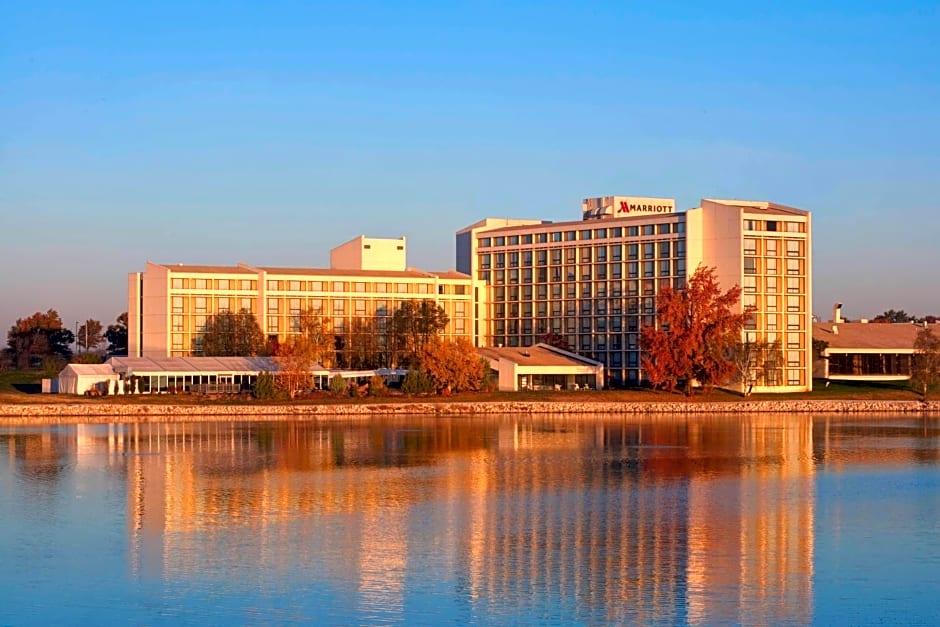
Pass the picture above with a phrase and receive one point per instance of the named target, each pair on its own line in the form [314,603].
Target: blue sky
[271,132]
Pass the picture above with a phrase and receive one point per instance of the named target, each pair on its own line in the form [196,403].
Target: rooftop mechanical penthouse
[594,281]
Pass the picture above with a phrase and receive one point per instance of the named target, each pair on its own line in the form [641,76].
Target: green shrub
[417,382]
[264,386]
[338,384]
[376,386]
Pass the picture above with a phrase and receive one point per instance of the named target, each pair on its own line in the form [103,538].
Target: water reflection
[545,519]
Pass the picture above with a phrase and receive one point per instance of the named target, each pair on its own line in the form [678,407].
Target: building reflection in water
[700,521]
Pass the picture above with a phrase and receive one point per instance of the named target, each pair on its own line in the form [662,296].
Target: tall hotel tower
[594,281]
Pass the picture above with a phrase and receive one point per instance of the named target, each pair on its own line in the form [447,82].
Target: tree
[38,336]
[264,386]
[696,333]
[230,334]
[117,336]
[89,335]
[318,334]
[413,325]
[755,360]
[893,316]
[453,366]
[295,360]
[925,365]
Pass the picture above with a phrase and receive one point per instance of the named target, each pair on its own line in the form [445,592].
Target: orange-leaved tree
[453,366]
[696,330]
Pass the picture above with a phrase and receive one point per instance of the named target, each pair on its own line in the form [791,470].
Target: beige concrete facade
[594,281]
[169,305]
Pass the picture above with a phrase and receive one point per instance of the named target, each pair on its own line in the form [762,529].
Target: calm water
[763,520]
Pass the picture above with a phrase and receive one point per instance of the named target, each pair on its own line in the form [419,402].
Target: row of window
[379,287]
[663,249]
[787,226]
[573,235]
[296,306]
[774,247]
[587,272]
[244,285]
[772,285]
[772,265]
[599,289]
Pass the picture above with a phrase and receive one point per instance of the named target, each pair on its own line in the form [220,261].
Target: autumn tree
[116,335]
[319,336]
[925,365]
[229,334]
[361,344]
[89,335]
[295,360]
[39,336]
[753,360]
[696,332]
[453,366]
[413,326]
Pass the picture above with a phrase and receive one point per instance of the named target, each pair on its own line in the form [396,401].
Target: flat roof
[538,355]
[870,335]
[192,365]
[411,273]
[592,223]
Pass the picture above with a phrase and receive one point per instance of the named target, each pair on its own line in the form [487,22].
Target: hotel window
[773,322]
[771,225]
[177,342]
[648,269]
[649,250]
[794,227]
[663,250]
[663,229]
[649,287]
[381,308]
[360,307]
[246,304]
[339,286]
[616,232]
[526,275]
[499,241]
[633,251]
[679,248]
[201,323]
[771,301]
[793,359]
[294,306]
[770,265]
[177,284]
[632,270]
[750,284]
[616,271]
[316,286]
[500,260]
[225,305]
[751,225]
[272,325]
[513,240]
[246,284]
[274,285]
[664,267]
[177,323]
[527,258]
[794,340]
[424,288]
[793,377]
[272,305]
[794,249]
[649,229]
[771,246]
[679,267]
[600,253]
[570,236]
[543,275]
[771,284]
[586,234]
[556,256]
[202,284]
[794,285]
[794,303]
[541,238]
[484,242]
[527,238]
[793,322]
[750,246]
[680,227]
[616,252]
[177,304]
[633,288]
[750,265]
[293,286]
[513,276]
[339,307]
[556,236]
[541,257]
[514,259]
[600,234]
[794,266]
[224,284]
[382,288]
[633,231]
[401,288]
[316,305]
[201,304]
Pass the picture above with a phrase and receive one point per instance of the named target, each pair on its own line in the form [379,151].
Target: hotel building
[368,279]
[593,282]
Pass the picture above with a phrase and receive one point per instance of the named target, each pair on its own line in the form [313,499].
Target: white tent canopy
[80,378]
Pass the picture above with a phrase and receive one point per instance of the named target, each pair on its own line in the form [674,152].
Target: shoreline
[65,413]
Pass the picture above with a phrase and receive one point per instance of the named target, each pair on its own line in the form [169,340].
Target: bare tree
[90,335]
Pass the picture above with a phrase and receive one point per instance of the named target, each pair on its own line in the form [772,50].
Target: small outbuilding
[866,351]
[82,378]
[543,367]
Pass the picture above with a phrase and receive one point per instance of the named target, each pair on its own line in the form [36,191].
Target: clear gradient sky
[269,132]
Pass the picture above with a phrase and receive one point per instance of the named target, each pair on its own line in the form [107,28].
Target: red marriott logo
[627,207]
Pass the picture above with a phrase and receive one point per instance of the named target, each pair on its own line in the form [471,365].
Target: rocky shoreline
[109,413]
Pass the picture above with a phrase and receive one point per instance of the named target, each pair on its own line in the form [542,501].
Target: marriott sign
[625,206]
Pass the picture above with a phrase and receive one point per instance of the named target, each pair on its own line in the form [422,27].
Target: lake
[516,520]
